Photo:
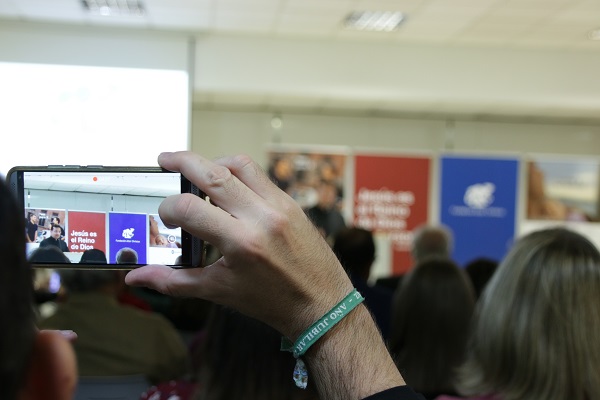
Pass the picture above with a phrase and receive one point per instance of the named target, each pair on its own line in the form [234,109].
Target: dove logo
[480,195]
[478,199]
[128,233]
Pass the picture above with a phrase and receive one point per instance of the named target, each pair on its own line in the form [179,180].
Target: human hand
[276,267]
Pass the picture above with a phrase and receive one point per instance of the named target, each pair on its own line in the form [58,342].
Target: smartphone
[102,217]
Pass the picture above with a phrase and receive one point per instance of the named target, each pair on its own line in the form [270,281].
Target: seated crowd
[525,328]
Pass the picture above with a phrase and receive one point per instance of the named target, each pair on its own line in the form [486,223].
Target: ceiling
[543,23]
[524,24]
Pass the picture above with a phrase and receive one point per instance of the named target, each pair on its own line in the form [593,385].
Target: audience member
[48,255]
[126,255]
[355,248]
[480,271]
[325,215]
[428,241]
[45,300]
[430,324]
[124,293]
[114,339]
[260,370]
[537,323]
[93,256]
[34,365]
[54,239]
[431,241]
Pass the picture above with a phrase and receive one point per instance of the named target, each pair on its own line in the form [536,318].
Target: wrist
[322,325]
[351,361]
[315,331]
[315,306]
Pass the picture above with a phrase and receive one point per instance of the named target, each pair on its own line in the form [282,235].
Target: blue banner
[478,200]
[128,230]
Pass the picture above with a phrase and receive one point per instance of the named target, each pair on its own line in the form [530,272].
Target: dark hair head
[49,255]
[81,281]
[16,298]
[259,370]
[480,271]
[93,256]
[430,323]
[355,248]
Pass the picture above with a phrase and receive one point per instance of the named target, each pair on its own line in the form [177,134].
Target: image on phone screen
[102,217]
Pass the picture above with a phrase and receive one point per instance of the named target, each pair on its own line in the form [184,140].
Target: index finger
[217,181]
[252,175]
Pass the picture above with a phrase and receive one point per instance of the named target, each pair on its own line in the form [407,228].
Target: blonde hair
[537,327]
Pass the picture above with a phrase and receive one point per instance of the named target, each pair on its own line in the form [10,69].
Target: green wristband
[318,329]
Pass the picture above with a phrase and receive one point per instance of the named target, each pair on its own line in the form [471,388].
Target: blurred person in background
[431,318]
[355,248]
[114,339]
[236,357]
[34,365]
[537,323]
[428,241]
[325,215]
[480,271]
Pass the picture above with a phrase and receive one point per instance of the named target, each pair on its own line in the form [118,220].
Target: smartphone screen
[105,216]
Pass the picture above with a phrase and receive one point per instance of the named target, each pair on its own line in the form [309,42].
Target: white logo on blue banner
[478,203]
[480,195]
[478,199]
[128,233]
[128,230]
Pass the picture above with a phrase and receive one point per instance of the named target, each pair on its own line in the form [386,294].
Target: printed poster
[563,191]
[478,204]
[128,230]
[391,198]
[315,179]
[87,230]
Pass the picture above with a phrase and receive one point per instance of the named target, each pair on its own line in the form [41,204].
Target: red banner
[87,230]
[391,197]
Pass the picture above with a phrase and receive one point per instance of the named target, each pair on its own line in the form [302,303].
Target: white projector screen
[81,115]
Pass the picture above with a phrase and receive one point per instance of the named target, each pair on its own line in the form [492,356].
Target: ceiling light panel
[379,21]
[110,8]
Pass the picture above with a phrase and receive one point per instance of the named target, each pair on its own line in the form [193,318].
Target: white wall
[390,75]
[219,132]
[81,45]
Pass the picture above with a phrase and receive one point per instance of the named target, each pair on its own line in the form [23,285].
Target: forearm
[351,361]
